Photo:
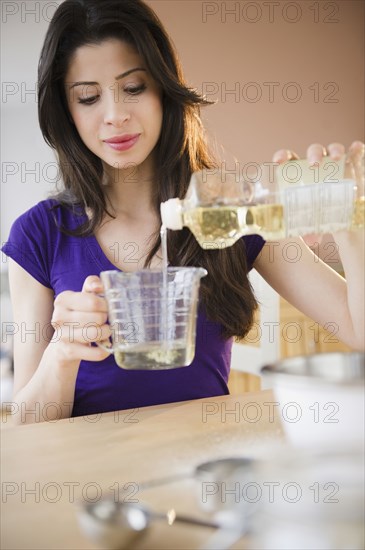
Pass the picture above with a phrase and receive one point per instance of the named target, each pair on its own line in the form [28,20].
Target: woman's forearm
[351,248]
[49,394]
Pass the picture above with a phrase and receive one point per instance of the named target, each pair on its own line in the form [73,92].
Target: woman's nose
[117,111]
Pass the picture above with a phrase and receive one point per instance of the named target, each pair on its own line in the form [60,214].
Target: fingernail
[312,160]
[95,286]
[336,155]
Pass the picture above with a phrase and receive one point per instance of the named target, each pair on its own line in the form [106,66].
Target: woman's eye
[88,100]
[135,90]
[131,90]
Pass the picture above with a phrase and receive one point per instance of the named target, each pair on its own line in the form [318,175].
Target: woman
[127,132]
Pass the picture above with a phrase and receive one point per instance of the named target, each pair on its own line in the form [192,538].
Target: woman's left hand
[315,153]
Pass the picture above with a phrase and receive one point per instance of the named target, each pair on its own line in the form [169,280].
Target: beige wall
[323,45]
[216,52]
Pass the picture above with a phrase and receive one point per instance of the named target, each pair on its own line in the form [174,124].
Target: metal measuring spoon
[118,524]
[111,526]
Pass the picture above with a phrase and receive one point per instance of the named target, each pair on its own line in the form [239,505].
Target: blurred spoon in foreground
[116,525]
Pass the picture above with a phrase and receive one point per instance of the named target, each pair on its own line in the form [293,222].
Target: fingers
[81,301]
[357,150]
[315,153]
[355,169]
[92,284]
[336,150]
[283,155]
[76,351]
[81,317]
[79,310]
[79,320]
[87,334]
[77,331]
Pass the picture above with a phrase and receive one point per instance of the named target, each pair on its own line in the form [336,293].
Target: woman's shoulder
[36,239]
[51,214]
[38,213]
[33,220]
[44,225]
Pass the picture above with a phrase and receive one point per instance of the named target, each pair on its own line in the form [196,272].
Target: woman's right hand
[80,319]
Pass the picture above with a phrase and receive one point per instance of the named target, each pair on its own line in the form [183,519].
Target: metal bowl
[320,397]
[340,368]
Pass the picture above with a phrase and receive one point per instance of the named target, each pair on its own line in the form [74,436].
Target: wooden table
[48,467]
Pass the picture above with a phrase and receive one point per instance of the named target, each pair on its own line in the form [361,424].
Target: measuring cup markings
[153,330]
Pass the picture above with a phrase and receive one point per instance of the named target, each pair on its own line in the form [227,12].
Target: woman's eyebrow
[127,73]
[123,75]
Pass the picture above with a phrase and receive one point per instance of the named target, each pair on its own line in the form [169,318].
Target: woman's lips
[122,143]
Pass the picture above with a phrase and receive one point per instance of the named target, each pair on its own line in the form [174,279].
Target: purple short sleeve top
[61,262]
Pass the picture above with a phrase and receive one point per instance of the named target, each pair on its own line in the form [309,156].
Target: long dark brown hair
[182,148]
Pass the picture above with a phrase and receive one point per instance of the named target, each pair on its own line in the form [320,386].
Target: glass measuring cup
[153,327]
